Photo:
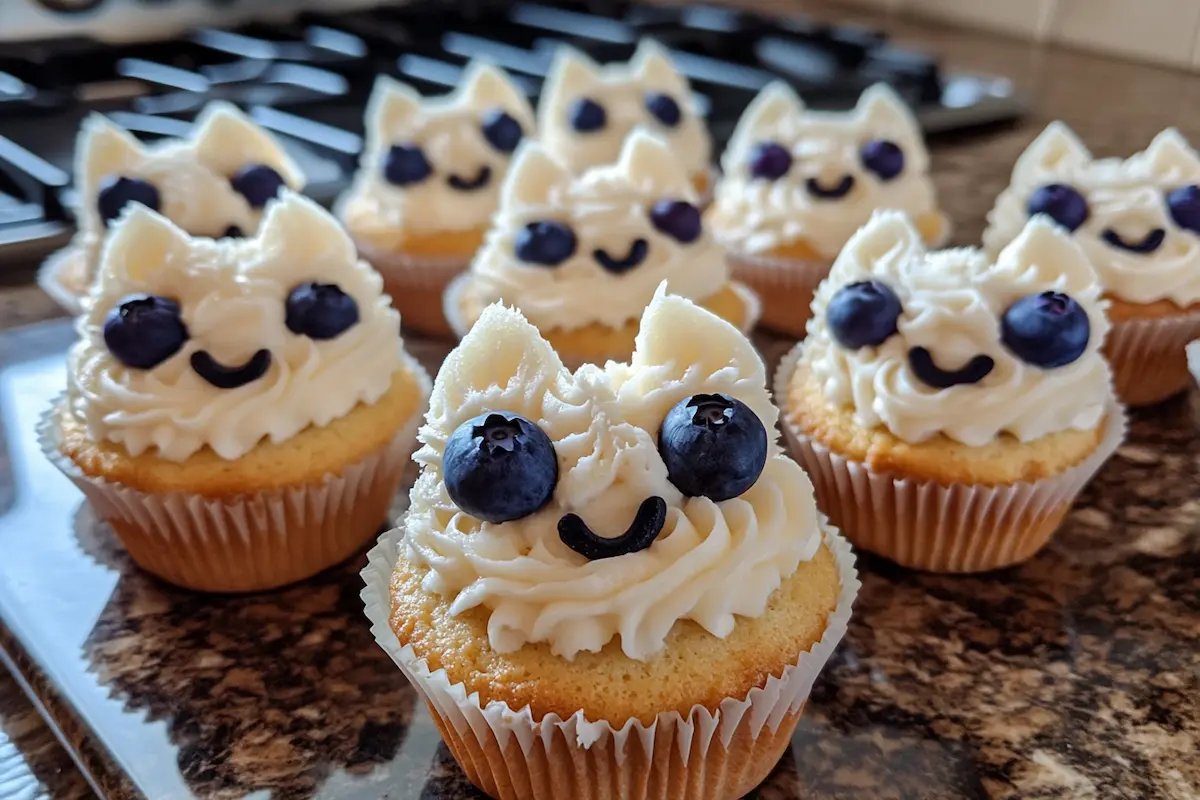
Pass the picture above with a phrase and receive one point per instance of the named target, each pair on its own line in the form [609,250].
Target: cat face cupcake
[559,242]
[798,183]
[1138,220]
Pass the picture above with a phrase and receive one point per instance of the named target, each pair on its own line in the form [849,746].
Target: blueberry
[663,108]
[863,314]
[144,330]
[406,164]
[769,161]
[116,192]
[587,116]
[258,183]
[1184,205]
[1060,202]
[502,131]
[882,157]
[678,219]
[548,243]
[320,311]
[499,466]
[1047,330]
[714,446]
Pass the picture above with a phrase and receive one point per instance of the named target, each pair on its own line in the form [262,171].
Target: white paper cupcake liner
[1149,357]
[939,528]
[785,286]
[54,278]
[632,760]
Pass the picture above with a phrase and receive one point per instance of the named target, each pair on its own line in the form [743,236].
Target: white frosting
[609,208]
[711,563]
[754,215]
[953,302]
[621,90]
[449,131]
[1127,196]
[232,293]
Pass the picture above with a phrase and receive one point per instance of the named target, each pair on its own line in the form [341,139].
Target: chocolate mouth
[840,189]
[929,373]
[1148,243]
[636,255]
[481,179]
[224,377]
[646,526]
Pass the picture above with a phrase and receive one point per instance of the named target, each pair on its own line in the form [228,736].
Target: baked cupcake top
[611,502]
[950,342]
[192,342]
[587,110]
[792,175]
[437,164]
[1138,219]
[558,243]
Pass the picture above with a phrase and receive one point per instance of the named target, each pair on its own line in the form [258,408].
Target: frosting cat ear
[571,74]
[649,163]
[652,65]
[888,236]
[776,106]
[104,149]
[309,234]
[227,140]
[1170,157]
[487,86]
[533,177]
[1056,149]
[1047,256]
[392,110]
[883,108]
[140,244]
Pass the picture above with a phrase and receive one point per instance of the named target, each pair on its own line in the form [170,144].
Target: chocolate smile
[481,179]
[1148,244]
[636,255]
[647,524]
[840,189]
[929,373]
[224,377]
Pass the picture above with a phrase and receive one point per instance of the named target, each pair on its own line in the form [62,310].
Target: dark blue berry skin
[646,526]
[258,183]
[502,131]
[678,219]
[499,467]
[547,243]
[863,314]
[882,157]
[769,161]
[587,116]
[320,311]
[1184,205]
[117,192]
[636,254]
[223,377]
[405,165]
[1147,244]
[1046,330]
[144,330]
[1060,202]
[929,373]
[714,446]
[664,109]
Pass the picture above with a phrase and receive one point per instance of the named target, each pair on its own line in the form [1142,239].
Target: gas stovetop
[307,78]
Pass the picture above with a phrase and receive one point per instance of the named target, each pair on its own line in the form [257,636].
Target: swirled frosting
[953,302]
[621,90]
[232,294]
[449,131]
[757,215]
[609,208]
[712,562]
[1127,197]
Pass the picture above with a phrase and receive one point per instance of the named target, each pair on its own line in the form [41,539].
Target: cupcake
[587,111]
[1138,220]
[215,183]
[950,408]
[429,182]
[239,410]
[582,256]
[797,184]
[610,583]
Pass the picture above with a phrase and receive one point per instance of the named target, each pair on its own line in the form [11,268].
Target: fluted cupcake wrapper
[416,285]
[958,528]
[703,755]
[1149,358]
[785,287]
[59,276]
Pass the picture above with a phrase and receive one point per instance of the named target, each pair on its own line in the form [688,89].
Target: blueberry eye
[678,219]
[502,131]
[863,314]
[258,183]
[714,446]
[116,192]
[663,108]
[547,243]
[770,161]
[405,165]
[1047,330]
[1060,202]
[587,116]
[144,330]
[499,467]
[320,311]
[882,157]
[1184,205]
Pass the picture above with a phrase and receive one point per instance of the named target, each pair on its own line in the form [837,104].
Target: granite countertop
[1075,675]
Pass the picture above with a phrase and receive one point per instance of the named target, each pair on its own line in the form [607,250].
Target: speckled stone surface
[1075,675]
